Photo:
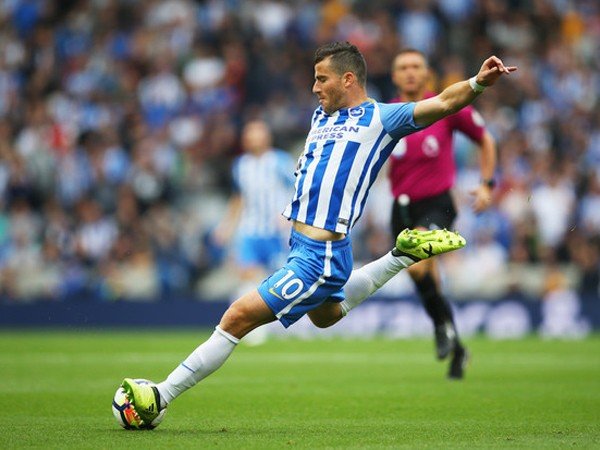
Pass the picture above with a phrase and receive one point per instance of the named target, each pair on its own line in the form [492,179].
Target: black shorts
[431,213]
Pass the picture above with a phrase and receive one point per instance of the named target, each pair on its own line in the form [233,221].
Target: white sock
[203,361]
[366,280]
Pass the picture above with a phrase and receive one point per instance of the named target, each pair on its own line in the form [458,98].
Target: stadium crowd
[119,120]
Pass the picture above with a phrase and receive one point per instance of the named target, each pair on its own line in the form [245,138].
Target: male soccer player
[422,172]
[263,183]
[350,138]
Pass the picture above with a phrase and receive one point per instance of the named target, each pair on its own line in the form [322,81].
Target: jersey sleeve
[398,119]
[469,122]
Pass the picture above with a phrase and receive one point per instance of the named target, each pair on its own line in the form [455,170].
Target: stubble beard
[335,102]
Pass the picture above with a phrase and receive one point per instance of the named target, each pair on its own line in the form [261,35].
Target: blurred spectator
[263,186]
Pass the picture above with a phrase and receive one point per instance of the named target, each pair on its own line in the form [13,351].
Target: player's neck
[357,100]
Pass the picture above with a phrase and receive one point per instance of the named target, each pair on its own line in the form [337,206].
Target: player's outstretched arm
[459,95]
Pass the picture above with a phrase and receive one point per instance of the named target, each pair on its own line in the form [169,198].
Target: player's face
[256,137]
[329,87]
[410,73]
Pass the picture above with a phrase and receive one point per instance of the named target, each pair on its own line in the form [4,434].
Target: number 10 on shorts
[290,286]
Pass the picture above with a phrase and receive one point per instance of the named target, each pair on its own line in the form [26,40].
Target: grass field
[56,389]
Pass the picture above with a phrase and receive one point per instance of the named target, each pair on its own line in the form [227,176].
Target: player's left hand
[492,69]
[483,198]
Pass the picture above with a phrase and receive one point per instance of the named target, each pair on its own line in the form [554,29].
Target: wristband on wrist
[478,88]
[490,182]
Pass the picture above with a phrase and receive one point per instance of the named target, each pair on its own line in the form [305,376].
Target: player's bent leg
[412,246]
[245,314]
[365,281]
[326,314]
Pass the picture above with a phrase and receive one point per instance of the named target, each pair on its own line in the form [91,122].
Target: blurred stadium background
[119,121]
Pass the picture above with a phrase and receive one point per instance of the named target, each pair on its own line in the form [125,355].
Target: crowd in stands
[119,120]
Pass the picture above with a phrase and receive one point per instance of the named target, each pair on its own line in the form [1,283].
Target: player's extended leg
[425,275]
[245,314]
[411,246]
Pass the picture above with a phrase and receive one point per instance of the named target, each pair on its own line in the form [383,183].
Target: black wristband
[490,182]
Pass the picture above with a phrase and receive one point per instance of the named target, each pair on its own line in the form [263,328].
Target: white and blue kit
[264,183]
[343,154]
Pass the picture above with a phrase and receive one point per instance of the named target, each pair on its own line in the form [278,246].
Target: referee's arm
[459,95]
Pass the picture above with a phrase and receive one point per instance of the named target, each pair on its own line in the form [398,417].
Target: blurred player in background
[263,182]
[422,173]
[350,138]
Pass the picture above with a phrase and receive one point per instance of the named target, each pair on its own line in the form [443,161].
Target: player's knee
[233,314]
[234,320]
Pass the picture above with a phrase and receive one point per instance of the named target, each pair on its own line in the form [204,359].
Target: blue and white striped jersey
[343,154]
[265,184]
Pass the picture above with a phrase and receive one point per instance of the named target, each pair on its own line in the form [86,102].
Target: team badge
[356,112]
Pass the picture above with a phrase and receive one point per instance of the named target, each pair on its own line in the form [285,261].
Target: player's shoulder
[239,159]
[393,109]
[280,154]
[281,159]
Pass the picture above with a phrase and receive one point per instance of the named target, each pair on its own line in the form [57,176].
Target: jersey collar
[346,111]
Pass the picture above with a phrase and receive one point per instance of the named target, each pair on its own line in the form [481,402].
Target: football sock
[366,280]
[203,361]
[435,304]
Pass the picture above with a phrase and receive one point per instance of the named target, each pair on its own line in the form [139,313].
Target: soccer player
[350,138]
[422,172]
[263,183]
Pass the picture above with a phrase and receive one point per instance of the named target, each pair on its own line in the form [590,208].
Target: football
[127,416]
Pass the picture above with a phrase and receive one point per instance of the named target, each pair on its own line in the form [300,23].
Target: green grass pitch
[56,390]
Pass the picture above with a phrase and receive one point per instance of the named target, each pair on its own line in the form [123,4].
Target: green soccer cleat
[144,398]
[423,244]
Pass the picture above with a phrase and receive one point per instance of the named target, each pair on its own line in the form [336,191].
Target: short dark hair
[408,50]
[345,57]
[411,50]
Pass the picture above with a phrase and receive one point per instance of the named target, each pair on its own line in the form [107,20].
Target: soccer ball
[127,416]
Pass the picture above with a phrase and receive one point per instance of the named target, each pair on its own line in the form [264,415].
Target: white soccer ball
[127,416]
